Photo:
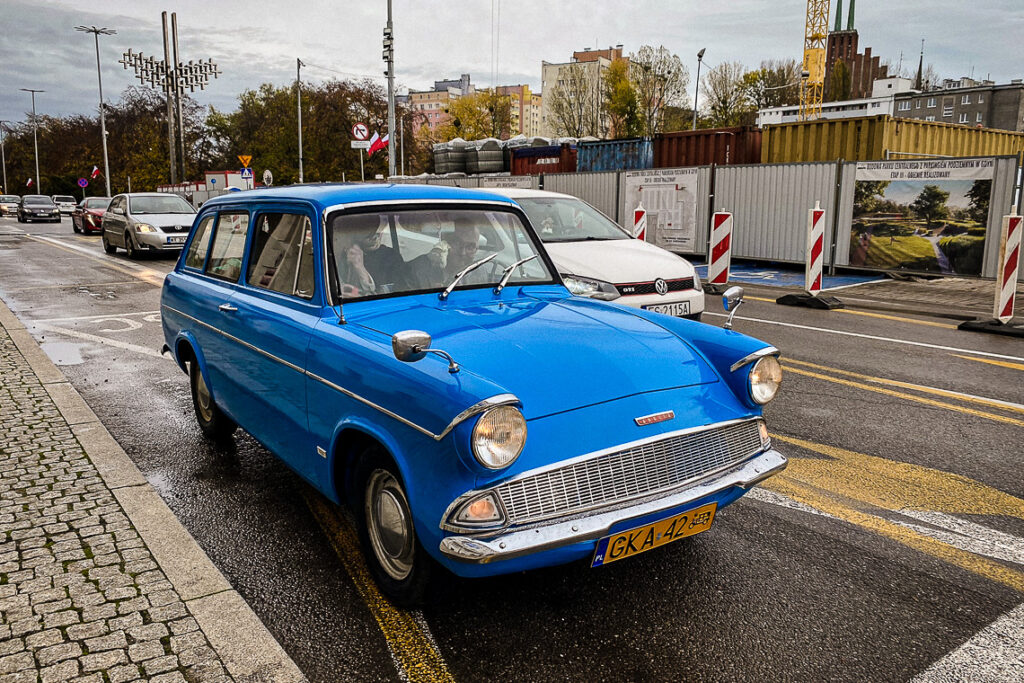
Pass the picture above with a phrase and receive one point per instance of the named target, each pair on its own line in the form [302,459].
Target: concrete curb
[247,649]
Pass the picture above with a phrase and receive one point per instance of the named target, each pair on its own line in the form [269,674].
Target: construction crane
[812,87]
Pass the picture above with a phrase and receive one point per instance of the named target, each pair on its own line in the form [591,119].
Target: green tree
[576,103]
[978,196]
[726,102]
[660,81]
[620,102]
[930,205]
[839,83]
[483,114]
[774,84]
[866,195]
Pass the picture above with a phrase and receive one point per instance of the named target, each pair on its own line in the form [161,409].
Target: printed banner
[670,197]
[928,216]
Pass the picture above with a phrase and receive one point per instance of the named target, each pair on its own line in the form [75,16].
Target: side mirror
[410,345]
[731,301]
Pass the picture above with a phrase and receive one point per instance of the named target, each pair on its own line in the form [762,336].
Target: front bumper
[695,297]
[158,241]
[482,549]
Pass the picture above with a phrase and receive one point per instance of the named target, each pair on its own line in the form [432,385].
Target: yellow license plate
[643,538]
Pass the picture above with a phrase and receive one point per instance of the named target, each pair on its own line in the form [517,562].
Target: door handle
[227,308]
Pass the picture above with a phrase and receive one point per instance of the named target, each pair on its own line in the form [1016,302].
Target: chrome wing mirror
[410,346]
[731,300]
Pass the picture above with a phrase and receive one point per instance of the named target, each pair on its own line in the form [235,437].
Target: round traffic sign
[361,131]
[268,178]
[82,182]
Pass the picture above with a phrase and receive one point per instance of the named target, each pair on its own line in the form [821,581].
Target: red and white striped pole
[640,222]
[720,256]
[1009,266]
[815,249]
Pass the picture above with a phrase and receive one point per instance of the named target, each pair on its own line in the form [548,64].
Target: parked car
[146,222]
[37,207]
[599,259]
[9,204]
[65,202]
[88,215]
[412,352]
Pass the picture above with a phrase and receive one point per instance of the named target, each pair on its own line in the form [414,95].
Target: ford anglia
[412,353]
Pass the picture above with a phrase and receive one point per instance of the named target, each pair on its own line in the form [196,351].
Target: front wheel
[213,423]
[107,246]
[129,246]
[396,559]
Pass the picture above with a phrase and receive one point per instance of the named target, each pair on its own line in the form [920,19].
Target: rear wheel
[214,424]
[107,246]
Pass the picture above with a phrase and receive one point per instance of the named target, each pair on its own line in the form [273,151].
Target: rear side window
[225,260]
[282,254]
[196,255]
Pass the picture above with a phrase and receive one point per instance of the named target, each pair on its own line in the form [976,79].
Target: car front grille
[637,288]
[633,472]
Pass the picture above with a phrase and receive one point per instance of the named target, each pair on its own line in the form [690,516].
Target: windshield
[172,203]
[97,202]
[564,219]
[63,198]
[9,198]
[38,200]
[397,252]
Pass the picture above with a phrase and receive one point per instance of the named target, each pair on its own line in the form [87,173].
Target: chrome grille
[629,473]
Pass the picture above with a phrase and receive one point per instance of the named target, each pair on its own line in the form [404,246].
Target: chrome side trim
[751,357]
[482,550]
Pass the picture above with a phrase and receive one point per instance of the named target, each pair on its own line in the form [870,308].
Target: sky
[257,41]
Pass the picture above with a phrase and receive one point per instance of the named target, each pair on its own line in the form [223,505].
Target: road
[895,536]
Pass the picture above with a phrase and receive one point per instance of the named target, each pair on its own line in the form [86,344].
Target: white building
[882,101]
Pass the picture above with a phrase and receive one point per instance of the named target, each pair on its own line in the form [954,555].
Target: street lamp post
[35,135]
[696,92]
[3,156]
[389,57]
[298,92]
[99,77]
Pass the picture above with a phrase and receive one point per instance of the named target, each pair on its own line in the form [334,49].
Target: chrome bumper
[505,546]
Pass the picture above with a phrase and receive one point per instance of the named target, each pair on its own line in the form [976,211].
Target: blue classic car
[411,352]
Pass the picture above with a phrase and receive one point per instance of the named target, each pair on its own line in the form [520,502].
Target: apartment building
[968,102]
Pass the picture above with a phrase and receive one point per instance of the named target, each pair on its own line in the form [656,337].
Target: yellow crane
[812,87]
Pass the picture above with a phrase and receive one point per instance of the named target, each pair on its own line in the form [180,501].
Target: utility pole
[401,138]
[696,91]
[3,156]
[298,92]
[174,76]
[35,136]
[99,77]
[168,86]
[389,57]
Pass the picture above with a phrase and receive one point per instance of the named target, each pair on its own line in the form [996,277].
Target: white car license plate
[678,308]
[176,239]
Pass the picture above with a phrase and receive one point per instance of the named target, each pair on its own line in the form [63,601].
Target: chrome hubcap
[389,524]
[203,395]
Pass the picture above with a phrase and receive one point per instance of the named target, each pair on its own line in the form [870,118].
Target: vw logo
[661,287]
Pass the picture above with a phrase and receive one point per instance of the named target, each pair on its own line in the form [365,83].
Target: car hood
[554,354]
[161,220]
[618,261]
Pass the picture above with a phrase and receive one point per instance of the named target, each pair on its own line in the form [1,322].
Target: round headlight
[765,378]
[499,437]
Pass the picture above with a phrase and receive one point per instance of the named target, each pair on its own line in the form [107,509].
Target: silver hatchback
[141,222]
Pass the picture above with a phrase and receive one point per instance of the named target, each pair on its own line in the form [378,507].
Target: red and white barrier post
[720,255]
[815,259]
[640,222]
[1009,266]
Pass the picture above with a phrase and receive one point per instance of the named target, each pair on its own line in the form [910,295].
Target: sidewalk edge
[235,631]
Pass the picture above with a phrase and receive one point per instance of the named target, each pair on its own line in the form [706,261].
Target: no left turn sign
[360,131]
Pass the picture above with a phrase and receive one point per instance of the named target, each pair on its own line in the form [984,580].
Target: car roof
[329,195]
[521,193]
[148,194]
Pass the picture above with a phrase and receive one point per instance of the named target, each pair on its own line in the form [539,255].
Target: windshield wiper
[463,273]
[507,273]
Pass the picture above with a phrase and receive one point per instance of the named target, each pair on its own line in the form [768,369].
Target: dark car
[37,207]
[88,215]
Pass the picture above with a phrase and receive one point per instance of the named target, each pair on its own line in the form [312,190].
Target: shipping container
[872,138]
[615,155]
[537,160]
[722,146]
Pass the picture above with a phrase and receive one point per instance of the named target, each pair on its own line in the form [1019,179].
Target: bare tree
[660,81]
[775,83]
[726,102]
[576,101]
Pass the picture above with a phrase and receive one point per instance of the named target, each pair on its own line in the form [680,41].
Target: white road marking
[101,340]
[855,284]
[871,336]
[108,316]
[766,496]
[993,655]
[967,535]
[90,252]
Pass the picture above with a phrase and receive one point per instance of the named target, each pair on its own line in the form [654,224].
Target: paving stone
[123,673]
[96,612]
[125,622]
[58,653]
[184,626]
[101,661]
[160,665]
[90,630]
[147,650]
[60,672]
[65,618]
[135,605]
[154,631]
[173,677]
[208,672]
[48,607]
[12,663]
[44,638]
[26,676]
[9,646]
[121,593]
[175,610]
[91,678]
[197,655]
[110,642]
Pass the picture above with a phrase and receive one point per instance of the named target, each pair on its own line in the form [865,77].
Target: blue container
[615,155]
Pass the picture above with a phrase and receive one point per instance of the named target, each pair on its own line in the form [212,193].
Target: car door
[273,313]
[113,221]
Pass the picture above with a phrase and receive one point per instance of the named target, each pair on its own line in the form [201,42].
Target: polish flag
[377,143]
[95,172]
[29,183]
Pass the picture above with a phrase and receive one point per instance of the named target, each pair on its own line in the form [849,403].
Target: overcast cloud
[257,41]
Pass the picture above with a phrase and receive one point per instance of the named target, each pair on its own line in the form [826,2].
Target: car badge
[661,287]
[654,418]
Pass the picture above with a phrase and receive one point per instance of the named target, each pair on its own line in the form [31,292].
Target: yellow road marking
[1000,363]
[411,646]
[1003,405]
[909,397]
[893,486]
[759,298]
[871,315]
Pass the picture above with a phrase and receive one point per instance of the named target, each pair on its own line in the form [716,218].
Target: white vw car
[599,259]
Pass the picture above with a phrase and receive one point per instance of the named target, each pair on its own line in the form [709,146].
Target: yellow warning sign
[245,159]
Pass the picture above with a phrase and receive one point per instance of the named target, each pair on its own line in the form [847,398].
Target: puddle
[63,353]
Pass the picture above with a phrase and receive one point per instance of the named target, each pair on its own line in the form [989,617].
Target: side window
[282,254]
[225,259]
[196,255]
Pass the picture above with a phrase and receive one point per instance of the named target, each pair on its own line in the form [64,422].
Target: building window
[963,118]
[918,104]
[929,118]
[981,98]
[947,110]
[931,102]
[966,99]
[904,106]
[979,117]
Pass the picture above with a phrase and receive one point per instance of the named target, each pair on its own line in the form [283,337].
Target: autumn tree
[660,81]
[483,114]
[839,83]
[725,99]
[775,83]
[620,102]
[576,101]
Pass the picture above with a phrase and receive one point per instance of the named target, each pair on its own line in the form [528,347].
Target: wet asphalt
[771,592]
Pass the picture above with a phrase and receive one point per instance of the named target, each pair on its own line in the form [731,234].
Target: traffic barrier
[720,256]
[1006,280]
[640,222]
[814,259]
